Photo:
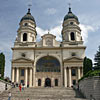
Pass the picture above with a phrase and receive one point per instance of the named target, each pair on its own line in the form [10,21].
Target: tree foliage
[2,64]
[90,74]
[97,59]
[87,65]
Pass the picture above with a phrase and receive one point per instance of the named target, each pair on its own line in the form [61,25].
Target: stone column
[82,71]
[70,80]
[78,73]
[13,74]
[43,82]
[30,82]
[34,79]
[65,77]
[17,75]
[26,76]
[52,82]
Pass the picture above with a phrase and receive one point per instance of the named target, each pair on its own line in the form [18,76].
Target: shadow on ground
[78,94]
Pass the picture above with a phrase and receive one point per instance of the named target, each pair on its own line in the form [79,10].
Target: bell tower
[27,30]
[71,32]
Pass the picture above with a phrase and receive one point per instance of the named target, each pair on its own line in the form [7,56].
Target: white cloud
[50,11]
[85,30]
[55,31]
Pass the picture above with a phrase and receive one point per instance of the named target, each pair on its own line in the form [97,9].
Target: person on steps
[20,87]
[9,96]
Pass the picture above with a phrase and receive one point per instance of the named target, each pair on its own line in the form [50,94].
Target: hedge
[90,74]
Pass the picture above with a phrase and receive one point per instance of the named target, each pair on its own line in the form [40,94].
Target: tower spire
[29,6]
[69,8]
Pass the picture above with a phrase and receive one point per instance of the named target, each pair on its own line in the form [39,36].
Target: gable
[22,60]
[73,59]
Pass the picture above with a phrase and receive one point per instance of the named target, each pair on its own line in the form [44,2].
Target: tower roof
[28,16]
[70,15]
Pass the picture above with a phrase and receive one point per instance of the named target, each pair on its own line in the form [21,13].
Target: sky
[49,15]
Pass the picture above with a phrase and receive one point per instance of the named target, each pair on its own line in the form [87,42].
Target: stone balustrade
[90,87]
[4,85]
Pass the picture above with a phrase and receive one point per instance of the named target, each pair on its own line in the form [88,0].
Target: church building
[48,63]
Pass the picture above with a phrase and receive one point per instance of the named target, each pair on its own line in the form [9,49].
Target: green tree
[2,64]
[87,65]
[97,59]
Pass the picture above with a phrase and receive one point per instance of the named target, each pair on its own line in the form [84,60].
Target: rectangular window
[22,81]
[22,72]
[73,72]
[74,82]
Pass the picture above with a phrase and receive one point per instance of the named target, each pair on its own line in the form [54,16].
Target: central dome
[70,15]
[28,16]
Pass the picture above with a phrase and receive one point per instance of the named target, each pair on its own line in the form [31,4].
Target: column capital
[69,67]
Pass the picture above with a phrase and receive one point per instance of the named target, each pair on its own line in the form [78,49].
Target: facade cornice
[47,48]
[73,59]
[25,60]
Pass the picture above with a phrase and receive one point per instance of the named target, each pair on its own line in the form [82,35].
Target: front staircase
[42,94]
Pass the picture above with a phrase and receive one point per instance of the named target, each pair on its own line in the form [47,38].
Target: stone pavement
[43,94]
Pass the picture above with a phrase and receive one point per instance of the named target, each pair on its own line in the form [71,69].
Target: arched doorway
[47,82]
[72,36]
[39,82]
[56,82]
[25,37]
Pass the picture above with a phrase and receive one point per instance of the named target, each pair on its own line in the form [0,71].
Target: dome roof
[70,15]
[28,16]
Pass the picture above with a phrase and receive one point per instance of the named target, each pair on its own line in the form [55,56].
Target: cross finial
[69,5]
[29,6]
[48,31]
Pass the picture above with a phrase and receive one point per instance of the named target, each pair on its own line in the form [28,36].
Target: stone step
[41,94]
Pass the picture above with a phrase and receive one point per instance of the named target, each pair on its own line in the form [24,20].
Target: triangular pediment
[74,59]
[22,60]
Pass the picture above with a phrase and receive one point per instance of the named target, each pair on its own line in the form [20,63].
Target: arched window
[25,37]
[72,35]
[56,82]
[39,82]
[48,64]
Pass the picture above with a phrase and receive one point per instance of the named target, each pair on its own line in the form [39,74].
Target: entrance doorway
[56,82]
[47,82]
[39,82]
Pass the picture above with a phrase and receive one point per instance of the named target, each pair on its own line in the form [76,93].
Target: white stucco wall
[29,54]
[79,53]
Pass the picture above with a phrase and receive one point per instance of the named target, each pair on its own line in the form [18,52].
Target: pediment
[22,60]
[73,59]
[49,36]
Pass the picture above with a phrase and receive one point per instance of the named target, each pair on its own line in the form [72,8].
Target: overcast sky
[49,15]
